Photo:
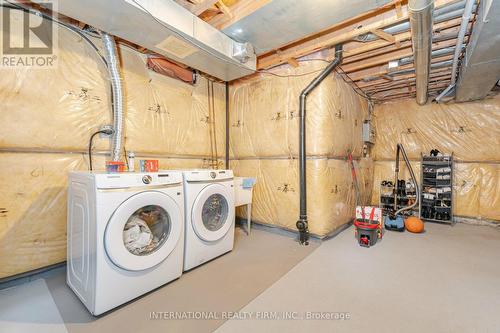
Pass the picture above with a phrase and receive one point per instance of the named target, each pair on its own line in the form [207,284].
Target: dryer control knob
[147,179]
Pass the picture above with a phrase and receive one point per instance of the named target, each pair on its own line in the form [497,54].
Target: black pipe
[227,125]
[302,224]
[396,180]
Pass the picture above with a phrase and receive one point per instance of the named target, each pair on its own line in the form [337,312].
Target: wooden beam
[224,9]
[384,58]
[373,85]
[293,62]
[203,6]
[442,27]
[365,17]
[399,11]
[405,90]
[364,52]
[239,10]
[384,35]
[379,71]
[337,34]
[404,83]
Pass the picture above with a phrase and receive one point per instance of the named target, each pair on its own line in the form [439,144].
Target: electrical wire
[290,75]
[126,157]
[90,147]
[357,89]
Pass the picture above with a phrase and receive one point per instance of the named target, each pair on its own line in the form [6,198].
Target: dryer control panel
[208,175]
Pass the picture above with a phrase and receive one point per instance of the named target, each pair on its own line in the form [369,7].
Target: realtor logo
[28,39]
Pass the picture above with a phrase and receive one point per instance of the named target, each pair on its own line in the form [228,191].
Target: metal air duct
[111,55]
[480,67]
[166,28]
[421,34]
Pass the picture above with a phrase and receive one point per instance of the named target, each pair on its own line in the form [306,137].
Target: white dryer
[125,235]
[210,215]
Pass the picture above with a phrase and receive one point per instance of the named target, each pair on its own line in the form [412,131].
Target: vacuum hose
[412,174]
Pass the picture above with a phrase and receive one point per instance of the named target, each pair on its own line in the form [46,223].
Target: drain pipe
[111,55]
[421,35]
[302,224]
[469,8]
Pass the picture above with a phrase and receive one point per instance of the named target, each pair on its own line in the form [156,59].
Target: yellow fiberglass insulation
[47,118]
[265,138]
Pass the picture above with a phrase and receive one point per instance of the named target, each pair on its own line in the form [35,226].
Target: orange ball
[414,224]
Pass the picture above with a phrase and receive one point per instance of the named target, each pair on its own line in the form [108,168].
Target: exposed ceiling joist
[223,8]
[239,10]
[399,11]
[384,35]
[380,71]
[384,58]
[406,83]
[374,85]
[203,6]
[337,34]
[439,28]
[450,31]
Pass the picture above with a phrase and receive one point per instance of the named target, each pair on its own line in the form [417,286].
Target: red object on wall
[165,67]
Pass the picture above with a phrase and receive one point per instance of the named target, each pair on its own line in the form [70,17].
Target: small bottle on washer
[131,161]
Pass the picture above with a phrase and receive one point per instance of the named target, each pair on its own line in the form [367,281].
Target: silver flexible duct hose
[113,60]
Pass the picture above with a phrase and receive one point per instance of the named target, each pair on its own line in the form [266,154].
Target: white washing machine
[125,235]
[210,216]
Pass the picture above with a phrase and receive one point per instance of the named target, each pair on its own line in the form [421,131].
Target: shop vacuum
[395,220]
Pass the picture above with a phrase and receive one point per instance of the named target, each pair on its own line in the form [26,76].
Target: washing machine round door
[213,212]
[143,231]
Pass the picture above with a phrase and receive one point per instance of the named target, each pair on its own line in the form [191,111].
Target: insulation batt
[264,115]
[330,194]
[264,143]
[47,118]
[471,131]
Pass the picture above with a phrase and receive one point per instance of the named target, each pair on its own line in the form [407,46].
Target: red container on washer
[115,166]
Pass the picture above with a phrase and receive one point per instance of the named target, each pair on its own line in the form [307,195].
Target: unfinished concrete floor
[225,284]
[445,280]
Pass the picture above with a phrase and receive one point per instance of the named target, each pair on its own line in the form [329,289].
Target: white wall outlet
[104,128]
